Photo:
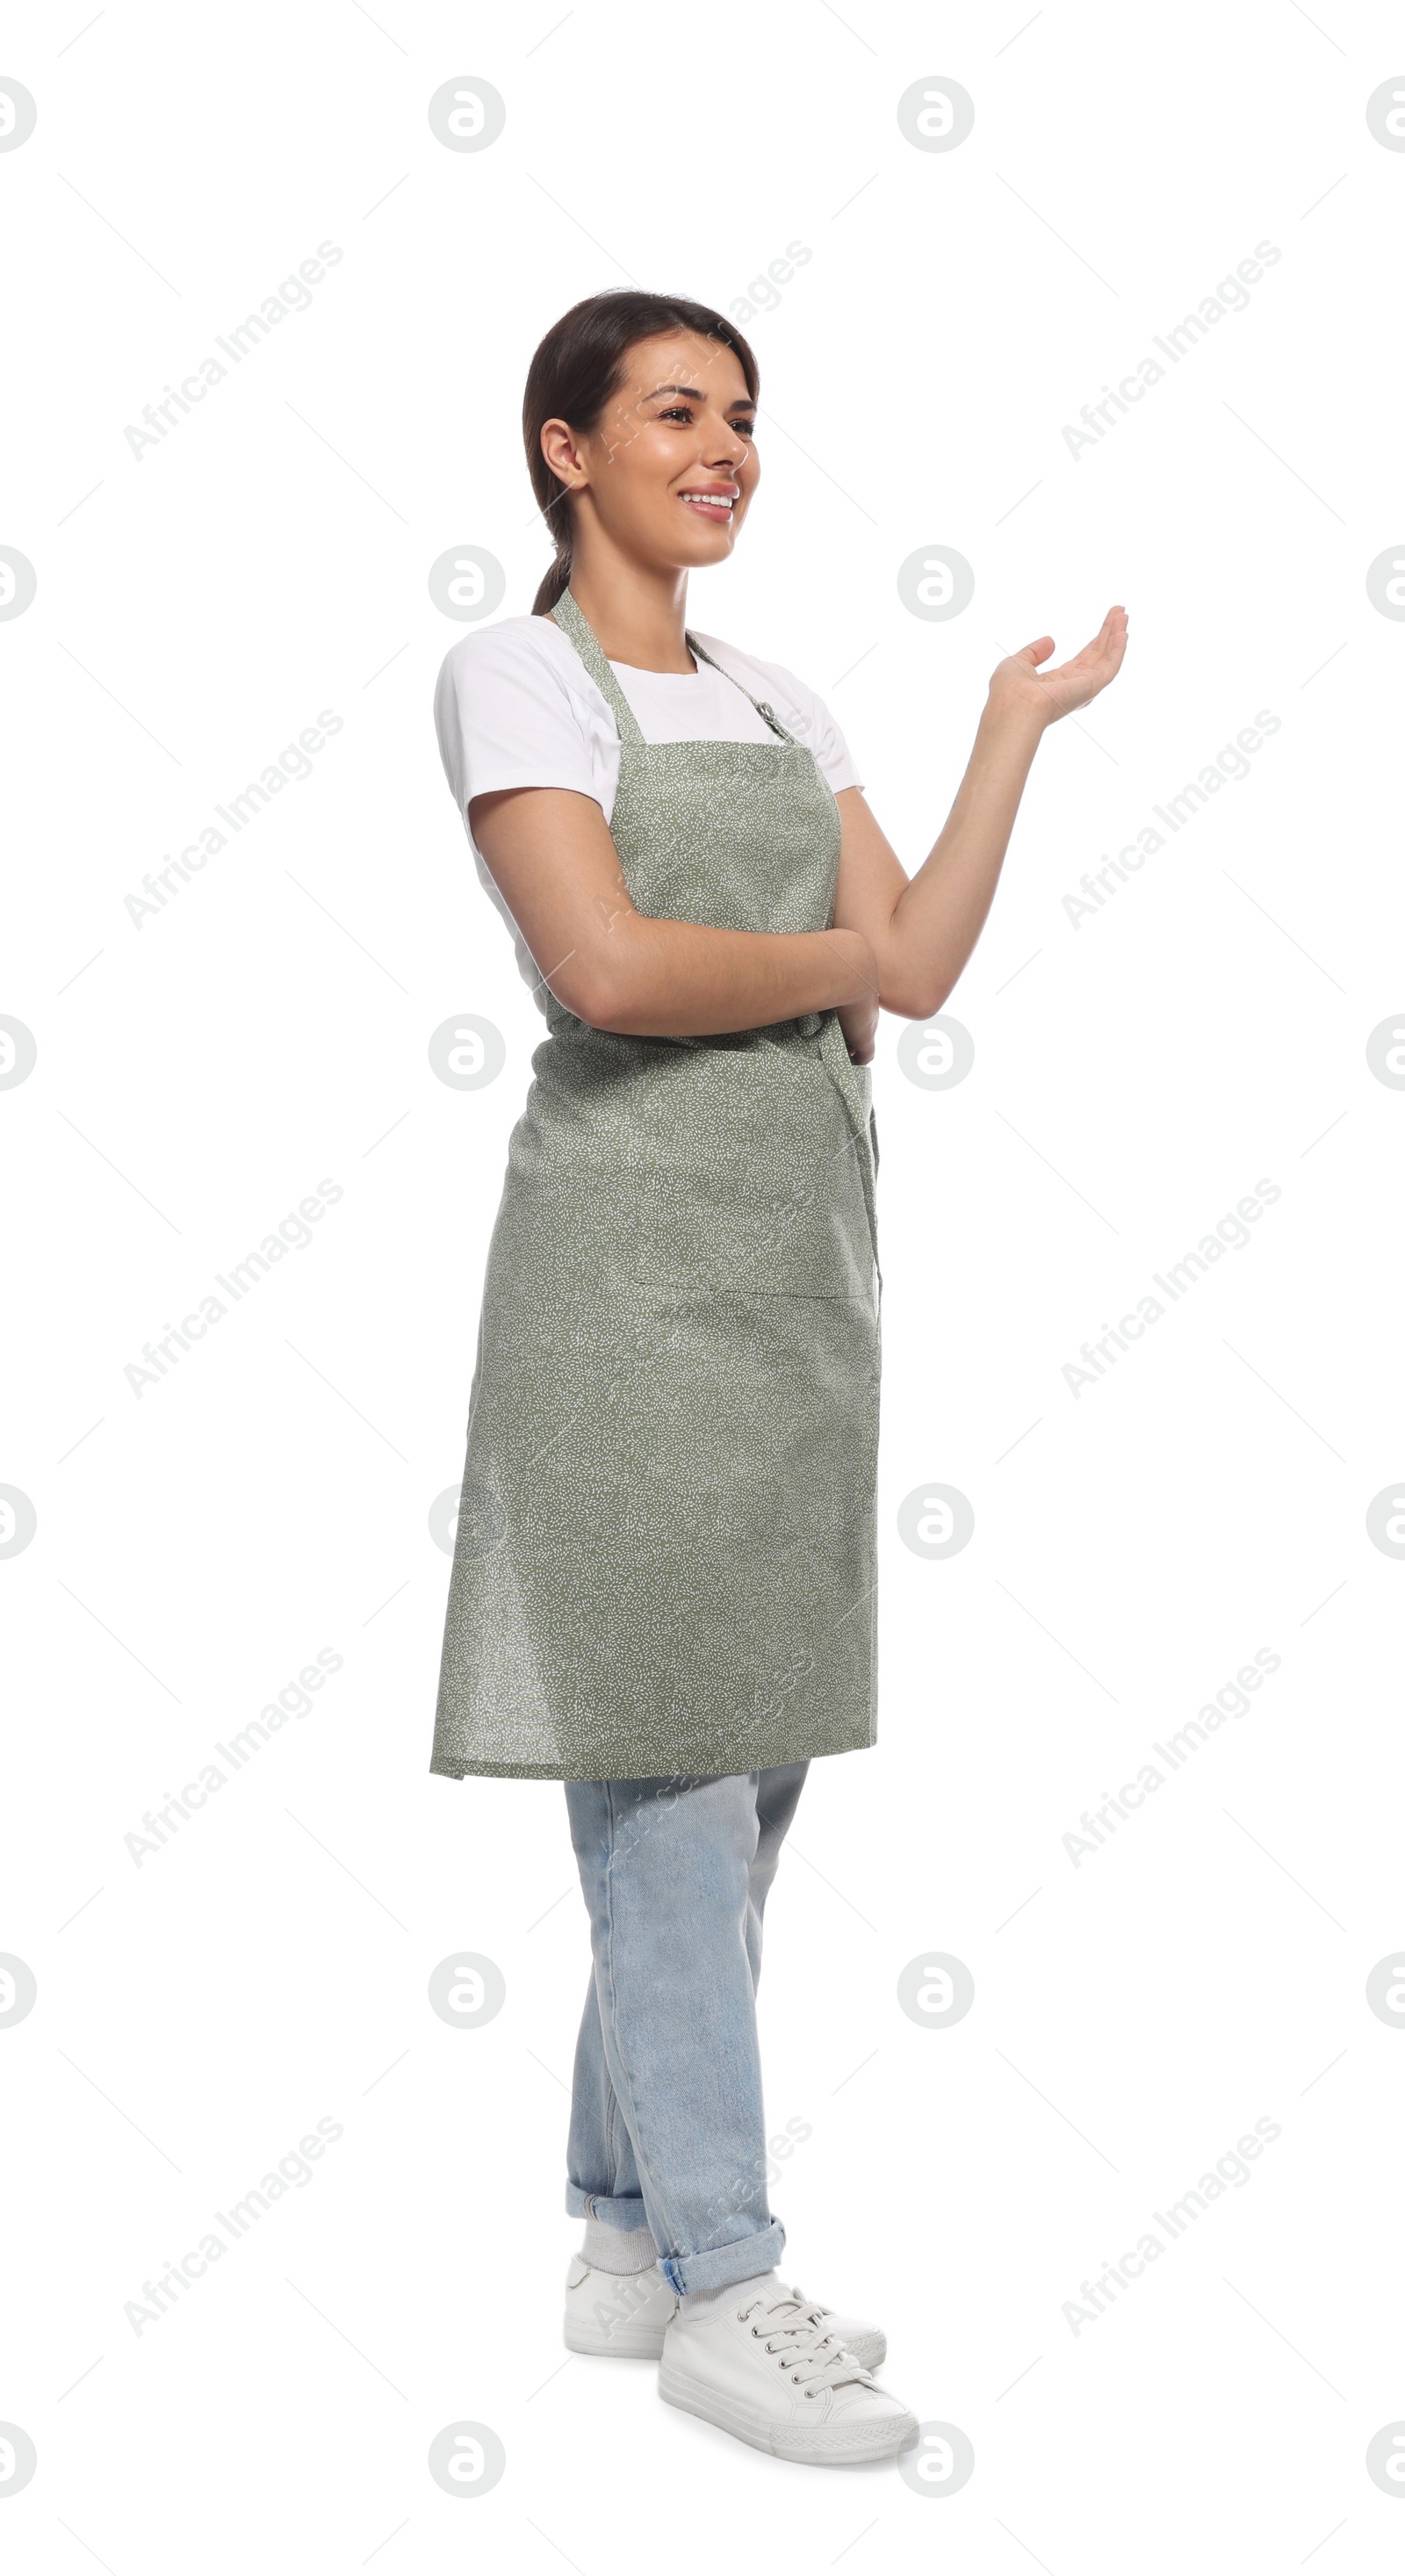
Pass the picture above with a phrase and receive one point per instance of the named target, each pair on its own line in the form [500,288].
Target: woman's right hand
[859,1018]
[859,1022]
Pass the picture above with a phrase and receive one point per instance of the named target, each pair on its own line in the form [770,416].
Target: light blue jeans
[667,2127]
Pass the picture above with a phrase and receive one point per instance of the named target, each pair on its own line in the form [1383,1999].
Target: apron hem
[721,1768]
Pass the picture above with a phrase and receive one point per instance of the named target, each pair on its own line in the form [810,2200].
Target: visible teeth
[711,500]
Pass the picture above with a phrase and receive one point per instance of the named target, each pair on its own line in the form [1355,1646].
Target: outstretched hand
[1019,682]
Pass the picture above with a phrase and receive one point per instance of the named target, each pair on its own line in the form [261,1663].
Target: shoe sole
[853,2449]
[627,2343]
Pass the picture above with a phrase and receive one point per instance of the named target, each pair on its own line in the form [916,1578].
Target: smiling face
[668,472]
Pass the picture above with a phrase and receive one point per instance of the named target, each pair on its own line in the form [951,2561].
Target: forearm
[938,916]
[654,978]
[555,865]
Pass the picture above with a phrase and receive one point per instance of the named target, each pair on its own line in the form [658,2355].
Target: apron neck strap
[767,713]
[574,624]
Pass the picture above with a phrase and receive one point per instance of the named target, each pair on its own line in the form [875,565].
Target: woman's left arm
[922,929]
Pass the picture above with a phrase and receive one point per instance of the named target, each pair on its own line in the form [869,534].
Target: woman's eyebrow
[743,402]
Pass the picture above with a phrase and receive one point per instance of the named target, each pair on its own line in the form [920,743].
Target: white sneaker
[622,2315]
[619,2314]
[763,2368]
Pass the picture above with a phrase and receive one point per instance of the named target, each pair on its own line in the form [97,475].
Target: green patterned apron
[665,1560]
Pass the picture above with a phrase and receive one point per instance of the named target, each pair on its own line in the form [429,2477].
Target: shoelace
[812,2307]
[793,2334]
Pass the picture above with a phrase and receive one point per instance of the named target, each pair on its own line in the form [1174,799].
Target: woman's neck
[637,612]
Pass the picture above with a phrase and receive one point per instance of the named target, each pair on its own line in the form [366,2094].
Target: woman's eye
[684,412]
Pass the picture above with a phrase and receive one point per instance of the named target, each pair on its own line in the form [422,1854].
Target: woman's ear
[562,453]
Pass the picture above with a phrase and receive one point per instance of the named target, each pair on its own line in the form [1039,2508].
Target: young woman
[663,1583]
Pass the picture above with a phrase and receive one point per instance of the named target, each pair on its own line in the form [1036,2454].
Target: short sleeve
[504,717]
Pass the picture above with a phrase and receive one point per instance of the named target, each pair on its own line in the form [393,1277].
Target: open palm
[1018,680]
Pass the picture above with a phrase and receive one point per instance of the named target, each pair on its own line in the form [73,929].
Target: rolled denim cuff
[626,2212]
[723,2264]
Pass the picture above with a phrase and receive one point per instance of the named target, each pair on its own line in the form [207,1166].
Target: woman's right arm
[552,858]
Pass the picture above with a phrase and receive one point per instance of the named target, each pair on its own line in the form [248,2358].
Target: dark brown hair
[572,376]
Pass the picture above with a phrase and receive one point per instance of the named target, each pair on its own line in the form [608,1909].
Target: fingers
[1108,645]
[1087,672]
[1111,636]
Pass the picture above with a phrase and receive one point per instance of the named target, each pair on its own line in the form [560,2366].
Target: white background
[1135,1076]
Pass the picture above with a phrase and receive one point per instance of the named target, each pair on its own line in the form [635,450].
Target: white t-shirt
[516,707]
